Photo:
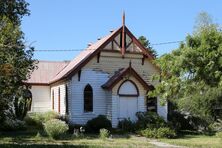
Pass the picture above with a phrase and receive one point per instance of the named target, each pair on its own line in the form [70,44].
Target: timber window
[152,104]
[88,99]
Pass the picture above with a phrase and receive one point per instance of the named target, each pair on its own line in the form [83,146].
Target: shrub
[217,126]
[149,133]
[163,132]
[98,123]
[13,125]
[49,115]
[55,128]
[219,134]
[37,119]
[185,121]
[126,125]
[104,133]
[149,120]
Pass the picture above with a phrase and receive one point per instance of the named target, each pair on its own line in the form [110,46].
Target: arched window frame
[88,98]
[128,95]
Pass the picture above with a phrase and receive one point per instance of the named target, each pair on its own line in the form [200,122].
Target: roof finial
[123,18]
[130,63]
[123,36]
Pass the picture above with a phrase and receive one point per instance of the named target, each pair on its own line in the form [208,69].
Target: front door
[128,108]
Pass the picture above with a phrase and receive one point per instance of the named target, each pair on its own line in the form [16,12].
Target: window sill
[88,113]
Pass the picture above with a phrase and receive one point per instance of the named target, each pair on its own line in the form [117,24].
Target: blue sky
[72,24]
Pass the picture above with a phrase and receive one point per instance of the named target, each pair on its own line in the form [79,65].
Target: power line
[163,43]
[71,50]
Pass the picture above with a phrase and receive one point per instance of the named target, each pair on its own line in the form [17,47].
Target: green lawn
[197,141]
[29,139]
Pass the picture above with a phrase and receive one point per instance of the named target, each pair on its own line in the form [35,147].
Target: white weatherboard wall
[56,88]
[76,98]
[41,101]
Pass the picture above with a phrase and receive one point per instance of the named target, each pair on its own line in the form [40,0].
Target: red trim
[37,84]
[115,79]
[86,60]
[135,40]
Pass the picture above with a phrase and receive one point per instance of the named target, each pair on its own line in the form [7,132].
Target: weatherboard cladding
[95,79]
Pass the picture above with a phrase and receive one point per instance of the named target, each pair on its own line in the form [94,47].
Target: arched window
[128,88]
[88,99]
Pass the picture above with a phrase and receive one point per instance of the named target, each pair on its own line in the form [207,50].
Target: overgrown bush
[163,132]
[217,126]
[37,119]
[13,125]
[219,135]
[98,123]
[126,125]
[104,133]
[149,120]
[55,128]
[185,121]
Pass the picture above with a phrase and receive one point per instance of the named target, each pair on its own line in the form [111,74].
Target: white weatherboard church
[110,77]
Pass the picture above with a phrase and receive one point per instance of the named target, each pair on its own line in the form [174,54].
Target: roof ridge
[65,61]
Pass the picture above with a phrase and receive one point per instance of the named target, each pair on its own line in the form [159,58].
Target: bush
[217,126]
[163,132]
[98,123]
[219,134]
[13,125]
[149,120]
[37,119]
[104,133]
[126,125]
[55,128]
[185,121]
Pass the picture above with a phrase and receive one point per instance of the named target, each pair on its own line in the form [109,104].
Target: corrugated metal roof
[46,71]
[49,72]
[81,58]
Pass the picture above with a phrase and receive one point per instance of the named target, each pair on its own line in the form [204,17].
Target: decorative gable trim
[120,75]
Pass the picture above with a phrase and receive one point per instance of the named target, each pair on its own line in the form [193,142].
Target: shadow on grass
[187,134]
[46,146]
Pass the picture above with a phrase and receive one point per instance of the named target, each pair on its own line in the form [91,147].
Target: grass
[196,141]
[34,138]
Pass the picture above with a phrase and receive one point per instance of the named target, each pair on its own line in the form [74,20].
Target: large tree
[16,61]
[146,43]
[191,76]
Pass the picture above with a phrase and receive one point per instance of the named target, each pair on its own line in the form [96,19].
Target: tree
[14,10]
[146,43]
[191,76]
[16,63]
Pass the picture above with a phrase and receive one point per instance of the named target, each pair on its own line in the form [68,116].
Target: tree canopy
[191,75]
[146,43]
[16,63]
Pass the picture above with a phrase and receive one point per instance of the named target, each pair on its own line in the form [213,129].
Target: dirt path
[164,145]
[157,143]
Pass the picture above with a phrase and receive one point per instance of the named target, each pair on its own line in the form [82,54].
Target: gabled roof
[78,62]
[123,73]
[85,56]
